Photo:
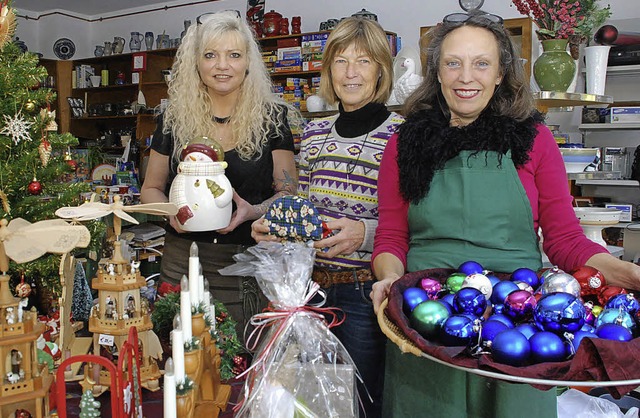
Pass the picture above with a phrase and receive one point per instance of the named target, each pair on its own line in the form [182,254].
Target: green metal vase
[554,69]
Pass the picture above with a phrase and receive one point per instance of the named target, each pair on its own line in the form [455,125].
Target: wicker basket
[394,333]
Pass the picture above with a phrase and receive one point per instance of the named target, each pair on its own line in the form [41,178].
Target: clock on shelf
[470,5]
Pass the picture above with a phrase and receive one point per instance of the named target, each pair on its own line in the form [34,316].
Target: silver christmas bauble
[561,282]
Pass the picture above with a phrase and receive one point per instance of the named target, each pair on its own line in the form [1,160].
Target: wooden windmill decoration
[25,383]
[120,305]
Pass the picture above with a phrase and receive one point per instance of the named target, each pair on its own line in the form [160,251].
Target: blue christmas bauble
[614,332]
[519,305]
[501,291]
[427,318]
[470,267]
[459,330]
[493,279]
[511,347]
[454,282]
[625,301]
[502,318]
[559,312]
[616,316]
[578,336]
[412,297]
[526,275]
[488,332]
[498,309]
[469,300]
[527,329]
[448,299]
[588,328]
[547,346]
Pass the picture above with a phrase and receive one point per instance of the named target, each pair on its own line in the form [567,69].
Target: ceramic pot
[296,22]
[271,23]
[596,61]
[186,24]
[197,324]
[107,48]
[184,405]
[193,364]
[135,43]
[148,40]
[99,51]
[554,69]
[118,45]
[203,195]
[365,14]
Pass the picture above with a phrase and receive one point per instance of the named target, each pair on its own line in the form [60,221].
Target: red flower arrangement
[560,19]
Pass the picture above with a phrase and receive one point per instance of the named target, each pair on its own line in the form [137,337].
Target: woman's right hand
[380,291]
[260,231]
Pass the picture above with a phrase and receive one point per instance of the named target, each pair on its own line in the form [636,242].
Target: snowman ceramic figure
[200,190]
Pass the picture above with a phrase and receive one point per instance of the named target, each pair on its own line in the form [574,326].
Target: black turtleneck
[361,121]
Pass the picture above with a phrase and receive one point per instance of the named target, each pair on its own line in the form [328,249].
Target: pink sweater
[545,182]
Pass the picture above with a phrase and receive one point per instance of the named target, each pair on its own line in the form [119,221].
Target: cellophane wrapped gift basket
[300,369]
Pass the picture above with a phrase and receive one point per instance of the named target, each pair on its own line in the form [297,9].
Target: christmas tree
[89,407]
[32,152]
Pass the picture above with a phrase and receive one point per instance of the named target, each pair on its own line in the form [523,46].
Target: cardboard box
[312,66]
[627,210]
[623,115]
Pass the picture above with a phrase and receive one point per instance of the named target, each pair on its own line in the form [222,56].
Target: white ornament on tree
[16,127]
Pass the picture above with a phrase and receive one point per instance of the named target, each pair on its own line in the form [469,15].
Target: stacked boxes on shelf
[312,48]
[289,59]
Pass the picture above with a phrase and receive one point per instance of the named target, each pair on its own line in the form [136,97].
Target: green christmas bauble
[454,282]
[427,318]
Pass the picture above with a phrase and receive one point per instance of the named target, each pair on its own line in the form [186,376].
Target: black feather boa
[426,142]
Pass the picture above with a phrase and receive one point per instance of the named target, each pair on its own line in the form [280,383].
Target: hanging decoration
[35,187]
[73,164]
[23,290]
[7,23]
[5,202]
[16,127]
[44,149]
[50,117]
[30,106]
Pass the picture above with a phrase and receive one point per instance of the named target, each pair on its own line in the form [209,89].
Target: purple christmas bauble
[614,332]
[454,282]
[502,318]
[527,329]
[479,281]
[559,312]
[470,267]
[547,346]
[616,316]
[488,332]
[469,300]
[526,275]
[459,330]
[412,297]
[578,336]
[501,291]
[427,318]
[625,301]
[511,347]
[519,305]
[561,282]
[431,286]
[589,316]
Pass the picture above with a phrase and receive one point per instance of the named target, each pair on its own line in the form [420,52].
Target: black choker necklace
[221,121]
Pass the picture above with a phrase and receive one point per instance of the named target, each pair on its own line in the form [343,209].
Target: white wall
[405,17]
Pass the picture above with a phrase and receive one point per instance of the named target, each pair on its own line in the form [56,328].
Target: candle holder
[197,324]
[185,399]
[193,359]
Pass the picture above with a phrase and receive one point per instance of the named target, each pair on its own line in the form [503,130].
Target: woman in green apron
[471,175]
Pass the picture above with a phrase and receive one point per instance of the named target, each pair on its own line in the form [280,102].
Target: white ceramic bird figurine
[407,82]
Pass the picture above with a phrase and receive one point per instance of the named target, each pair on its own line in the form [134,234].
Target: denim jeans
[363,339]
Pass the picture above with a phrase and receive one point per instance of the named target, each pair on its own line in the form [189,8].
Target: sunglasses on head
[463,17]
[203,18]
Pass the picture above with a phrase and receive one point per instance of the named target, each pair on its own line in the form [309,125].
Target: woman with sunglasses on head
[471,175]
[339,160]
[221,89]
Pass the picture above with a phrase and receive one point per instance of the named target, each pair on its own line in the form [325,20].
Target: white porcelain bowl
[576,160]
[598,216]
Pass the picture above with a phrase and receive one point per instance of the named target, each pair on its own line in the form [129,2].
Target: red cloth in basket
[595,360]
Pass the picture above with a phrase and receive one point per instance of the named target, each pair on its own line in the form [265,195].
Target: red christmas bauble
[35,187]
[590,279]
[73,164]
[607,292]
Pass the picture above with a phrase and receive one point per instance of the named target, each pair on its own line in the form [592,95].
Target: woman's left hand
[244,212]
[346,241]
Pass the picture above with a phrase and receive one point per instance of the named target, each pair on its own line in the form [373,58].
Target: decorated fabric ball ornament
[459,330]
[524,286]
[502,318]
[489,330]
[625,301]
[547,346]
[526,275]
[412,297]
[607,292]
[519,305]
[590,279]
[616,316]
[559,312]
[427,318]
[614,332]
[470,267]
[23,289]
[479,281]
[527,329]
[501,291]
[561,282]
[431,286]
[511,347]
[469,300]
[35,187]
[454,282]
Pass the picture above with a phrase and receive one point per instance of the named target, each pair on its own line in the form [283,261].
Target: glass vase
[554,69]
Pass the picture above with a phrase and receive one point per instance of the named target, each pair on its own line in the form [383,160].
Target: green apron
[475,210]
